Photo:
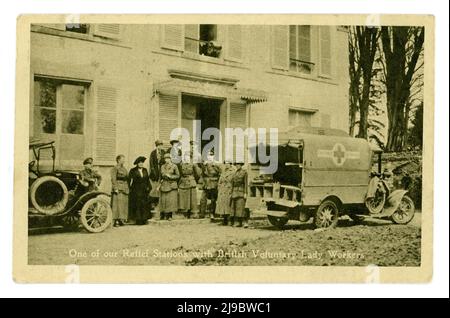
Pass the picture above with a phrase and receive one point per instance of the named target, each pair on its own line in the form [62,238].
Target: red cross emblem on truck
[338,154]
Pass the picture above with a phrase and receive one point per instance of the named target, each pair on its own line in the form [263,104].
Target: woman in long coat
[224,192]
[139,192]
[239,195]
[120,191]
[187,187]
[168,200]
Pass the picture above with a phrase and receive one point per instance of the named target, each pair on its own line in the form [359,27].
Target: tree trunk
[401,47]
[363,46]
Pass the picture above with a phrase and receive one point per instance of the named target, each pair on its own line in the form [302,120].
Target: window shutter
[238,115]
[168,115]
[105,133]
[111,31]
[192,35]
[304,43]
[173,36]
[280,47]
[325,50]
[234,43]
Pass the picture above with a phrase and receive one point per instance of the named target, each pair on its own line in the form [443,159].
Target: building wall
[135,65]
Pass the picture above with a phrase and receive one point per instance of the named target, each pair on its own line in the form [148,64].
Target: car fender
[86,197]
[393,201]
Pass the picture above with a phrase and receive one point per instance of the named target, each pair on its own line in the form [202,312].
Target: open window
[202,39]
[300,49]
[77,28]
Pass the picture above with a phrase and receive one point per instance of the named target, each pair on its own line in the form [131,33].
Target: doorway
[207,111]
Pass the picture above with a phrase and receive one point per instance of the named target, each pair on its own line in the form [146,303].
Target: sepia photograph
[224,145]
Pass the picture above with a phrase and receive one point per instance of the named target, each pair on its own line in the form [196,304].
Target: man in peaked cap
[155,163]
[89,179]
[210,175]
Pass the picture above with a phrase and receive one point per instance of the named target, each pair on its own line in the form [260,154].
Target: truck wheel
[405,211]
[96,215]
[327,215]
[278,222]
[49,195]
[376,204]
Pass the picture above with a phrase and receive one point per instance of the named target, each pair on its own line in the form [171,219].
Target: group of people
[170,186]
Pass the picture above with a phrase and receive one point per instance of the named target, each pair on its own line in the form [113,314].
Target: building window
[59,114]
[300,49]
[59,107]
[73,99]
[45,107]
[77,27]
[202,39]
[299,118]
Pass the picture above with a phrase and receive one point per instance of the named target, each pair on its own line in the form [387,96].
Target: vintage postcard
[224,148]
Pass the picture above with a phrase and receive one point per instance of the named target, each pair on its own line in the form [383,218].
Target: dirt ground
[199,242]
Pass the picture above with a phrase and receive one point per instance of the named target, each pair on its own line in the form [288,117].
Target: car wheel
[49,195]
[96,215]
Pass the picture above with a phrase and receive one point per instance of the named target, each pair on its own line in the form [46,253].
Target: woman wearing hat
[168,200]
[239,195]
[224,191]
[139,190]
[120,190]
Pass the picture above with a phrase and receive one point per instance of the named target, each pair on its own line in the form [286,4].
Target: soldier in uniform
[210,174]
[187,186]
[239,184]
[168,200]
[89,179]
[156,161]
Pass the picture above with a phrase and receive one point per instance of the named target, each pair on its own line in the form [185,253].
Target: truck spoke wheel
[405,211]
[327,215]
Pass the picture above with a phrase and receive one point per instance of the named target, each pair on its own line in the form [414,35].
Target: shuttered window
[299,118]
[105,134]
[111,30]
[238,115]
[280,47]
[173,36]
[168,115]
[191,38]
[238,119]
[234,44]
[300,48]
[325,50]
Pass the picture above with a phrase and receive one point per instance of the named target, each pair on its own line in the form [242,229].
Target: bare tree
[363,44]
[402,48]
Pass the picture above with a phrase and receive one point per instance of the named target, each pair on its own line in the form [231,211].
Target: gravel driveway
[199,242]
